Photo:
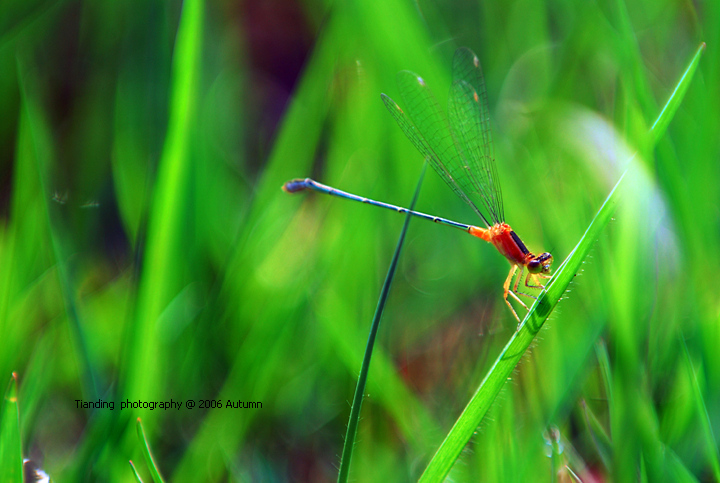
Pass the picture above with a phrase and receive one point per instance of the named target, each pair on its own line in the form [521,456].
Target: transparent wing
[429,151]
[428,129]
[470,122]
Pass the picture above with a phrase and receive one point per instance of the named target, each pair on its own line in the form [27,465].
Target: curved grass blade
[135,472]
[149,460]
[362,379]
[472,415]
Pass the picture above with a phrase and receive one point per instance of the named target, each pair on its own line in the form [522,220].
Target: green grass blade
[599,435]
[362,379]
[154,472]
[162,268]
[135,472]
[472,415]
[701,408]
[39,140]
[676,469]
[661,123]
[11,462]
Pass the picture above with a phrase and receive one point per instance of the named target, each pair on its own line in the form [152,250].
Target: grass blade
[701,408]
[11,462]
[661,123]
[362,379]
[472,415]
[39,142]
[154,472]
[162,276]
[135,472]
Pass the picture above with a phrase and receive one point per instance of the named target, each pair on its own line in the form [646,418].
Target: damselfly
[459,147]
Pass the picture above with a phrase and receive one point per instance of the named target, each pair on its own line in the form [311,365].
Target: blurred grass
[150,148]
[11,465]
[149,460]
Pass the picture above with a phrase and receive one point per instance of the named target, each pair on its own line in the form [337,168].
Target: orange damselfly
[459,147]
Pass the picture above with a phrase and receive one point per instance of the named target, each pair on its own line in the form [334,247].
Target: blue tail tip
[294,185]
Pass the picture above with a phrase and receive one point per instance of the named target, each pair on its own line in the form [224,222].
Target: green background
[147,251]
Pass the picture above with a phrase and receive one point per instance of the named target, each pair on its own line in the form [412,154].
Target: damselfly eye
[540,264]
[534,266]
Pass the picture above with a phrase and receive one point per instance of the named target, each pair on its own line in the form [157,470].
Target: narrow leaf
[11,462]
[154,472]
[362,379]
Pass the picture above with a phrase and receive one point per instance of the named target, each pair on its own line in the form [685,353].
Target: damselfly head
[540,264]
